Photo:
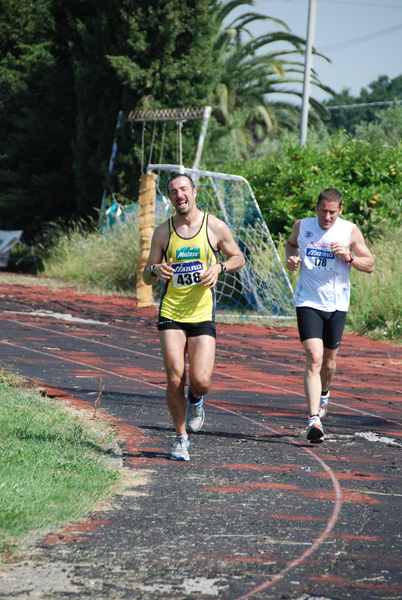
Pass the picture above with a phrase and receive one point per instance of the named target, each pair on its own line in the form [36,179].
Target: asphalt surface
[258,512]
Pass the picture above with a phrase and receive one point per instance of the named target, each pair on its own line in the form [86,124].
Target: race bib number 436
[187,273]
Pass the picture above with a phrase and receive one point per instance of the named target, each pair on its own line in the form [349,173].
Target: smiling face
[328,211]
[182,195]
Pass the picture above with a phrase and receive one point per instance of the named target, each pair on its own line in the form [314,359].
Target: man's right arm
[292,248]
[161,271]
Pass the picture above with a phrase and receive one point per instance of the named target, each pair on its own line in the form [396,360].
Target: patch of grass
[52,462]
[30,280]
[376,299]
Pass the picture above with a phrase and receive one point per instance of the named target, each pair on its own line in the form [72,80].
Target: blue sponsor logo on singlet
[308,234]
[319,253]
[187,267]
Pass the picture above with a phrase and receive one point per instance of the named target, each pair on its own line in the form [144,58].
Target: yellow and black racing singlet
[184,298]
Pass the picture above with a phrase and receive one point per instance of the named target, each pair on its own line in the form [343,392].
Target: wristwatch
[351,258]
[223,268]
[152,270]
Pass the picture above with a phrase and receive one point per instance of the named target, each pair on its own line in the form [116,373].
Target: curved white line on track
[337,490]
[335,483]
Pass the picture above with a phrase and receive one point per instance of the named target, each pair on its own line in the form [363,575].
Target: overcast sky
[362,38]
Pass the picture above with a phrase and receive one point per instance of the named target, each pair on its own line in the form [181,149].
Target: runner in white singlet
[325,247]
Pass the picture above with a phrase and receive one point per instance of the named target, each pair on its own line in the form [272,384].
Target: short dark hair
[175,176]
[332,195]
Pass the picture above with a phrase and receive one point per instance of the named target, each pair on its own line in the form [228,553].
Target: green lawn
[53,461]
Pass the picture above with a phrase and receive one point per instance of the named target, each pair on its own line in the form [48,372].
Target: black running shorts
[192,329]
[327,326]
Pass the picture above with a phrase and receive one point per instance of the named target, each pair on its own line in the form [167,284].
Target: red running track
[252,464]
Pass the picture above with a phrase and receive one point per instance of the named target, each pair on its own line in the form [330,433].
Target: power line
[359,40]
[366,105]
[376,4]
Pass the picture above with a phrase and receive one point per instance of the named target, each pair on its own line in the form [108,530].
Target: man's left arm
[363,260]
[221,236]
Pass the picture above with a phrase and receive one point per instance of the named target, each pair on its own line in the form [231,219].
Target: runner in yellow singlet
[184,299]
[184,257]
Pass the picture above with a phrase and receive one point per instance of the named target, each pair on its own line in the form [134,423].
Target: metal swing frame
[179,115]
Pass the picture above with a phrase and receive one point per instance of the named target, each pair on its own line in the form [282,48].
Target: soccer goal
[262,286]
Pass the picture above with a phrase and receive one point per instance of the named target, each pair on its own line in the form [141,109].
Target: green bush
[287,183]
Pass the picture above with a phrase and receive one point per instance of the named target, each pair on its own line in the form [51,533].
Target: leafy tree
[35,163]
[66,69]
[385,129]
[245,97]
[287,182]
[85,33]
[177,71]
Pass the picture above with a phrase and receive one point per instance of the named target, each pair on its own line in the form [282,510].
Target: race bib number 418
[187,273]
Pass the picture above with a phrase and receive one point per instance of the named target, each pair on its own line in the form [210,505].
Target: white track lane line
[337,491]
[222,374]
[296,351]
[81,364]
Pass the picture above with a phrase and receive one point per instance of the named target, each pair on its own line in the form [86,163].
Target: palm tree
[249,82]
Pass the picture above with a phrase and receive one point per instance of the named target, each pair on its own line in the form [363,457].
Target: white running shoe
[315,432]
[195,415]
[323,406]
[180,448]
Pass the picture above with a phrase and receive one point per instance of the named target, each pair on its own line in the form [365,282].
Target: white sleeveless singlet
[324,278]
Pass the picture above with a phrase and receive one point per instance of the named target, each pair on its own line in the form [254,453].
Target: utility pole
[312,11]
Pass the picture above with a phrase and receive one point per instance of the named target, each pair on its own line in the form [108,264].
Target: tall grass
[376,299]
[103,261]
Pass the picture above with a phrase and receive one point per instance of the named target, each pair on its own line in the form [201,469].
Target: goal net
[262,286]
